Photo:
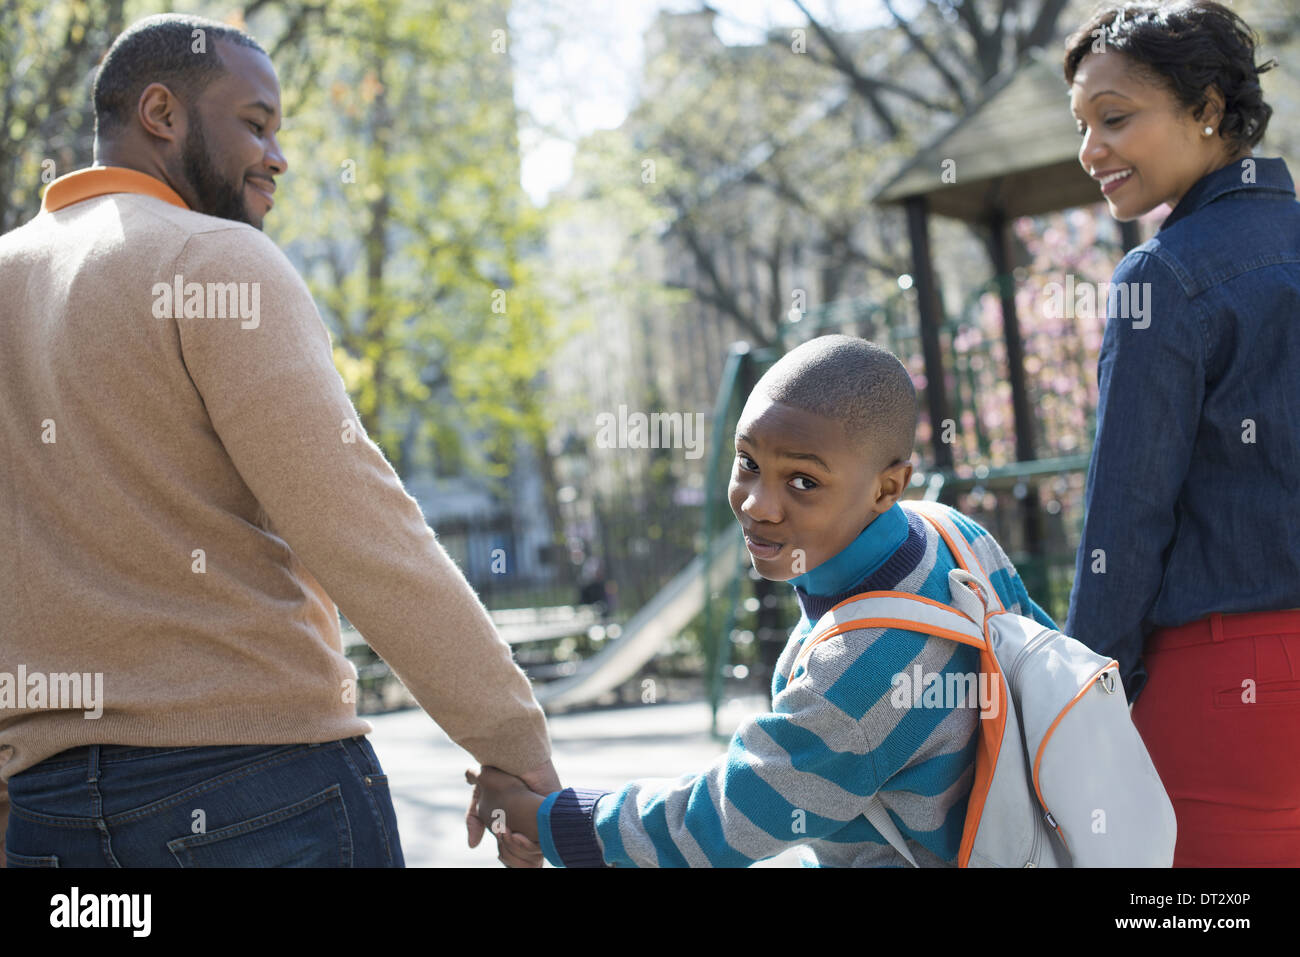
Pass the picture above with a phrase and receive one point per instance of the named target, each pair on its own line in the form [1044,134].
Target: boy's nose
[760,507]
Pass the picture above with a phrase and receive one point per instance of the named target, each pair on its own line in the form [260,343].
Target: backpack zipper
[1033,848]
[1016,665]
[1038,793]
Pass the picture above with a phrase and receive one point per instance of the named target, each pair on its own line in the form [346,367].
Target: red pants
[1220,716]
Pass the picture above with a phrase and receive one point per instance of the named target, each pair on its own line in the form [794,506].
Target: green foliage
[401,204]
[419,243]
[47,54]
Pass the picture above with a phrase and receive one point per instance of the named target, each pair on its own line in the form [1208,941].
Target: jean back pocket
[311,833]
[24,860]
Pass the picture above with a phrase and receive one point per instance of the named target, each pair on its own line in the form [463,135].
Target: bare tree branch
[719,296]
[861,83]
[923,48]
[1044,27]
[883,85]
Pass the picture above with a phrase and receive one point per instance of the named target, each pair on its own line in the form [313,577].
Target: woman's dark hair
[1188,47]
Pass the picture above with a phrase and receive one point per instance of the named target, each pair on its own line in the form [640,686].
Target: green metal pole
[715,491]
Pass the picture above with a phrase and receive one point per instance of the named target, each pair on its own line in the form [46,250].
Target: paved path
[600,748]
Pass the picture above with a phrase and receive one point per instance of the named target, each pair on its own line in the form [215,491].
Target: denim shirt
[1193,491]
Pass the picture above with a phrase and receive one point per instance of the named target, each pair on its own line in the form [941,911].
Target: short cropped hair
[1187,47]
[856,382]
[159,49]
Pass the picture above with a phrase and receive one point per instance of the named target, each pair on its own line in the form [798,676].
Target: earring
[1209,130]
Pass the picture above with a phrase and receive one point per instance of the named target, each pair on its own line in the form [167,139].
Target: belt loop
[92,766]
[1216,626]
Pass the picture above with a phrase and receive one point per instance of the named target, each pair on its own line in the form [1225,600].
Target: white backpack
[1062,778]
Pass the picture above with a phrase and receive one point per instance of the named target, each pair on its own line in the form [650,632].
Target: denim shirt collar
[862,556]
[1270,175]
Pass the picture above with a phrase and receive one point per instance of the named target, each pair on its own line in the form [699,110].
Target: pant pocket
[382,800]
[311,833]
[24,860]
[373,767]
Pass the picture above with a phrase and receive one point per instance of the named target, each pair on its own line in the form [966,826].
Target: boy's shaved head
[857,383]
[823,448]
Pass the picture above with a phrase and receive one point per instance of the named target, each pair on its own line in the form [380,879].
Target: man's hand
[508,805]
[543,780]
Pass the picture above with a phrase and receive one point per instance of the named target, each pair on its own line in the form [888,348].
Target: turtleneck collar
[862,556]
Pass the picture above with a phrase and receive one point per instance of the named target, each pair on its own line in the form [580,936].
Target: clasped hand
[507,806]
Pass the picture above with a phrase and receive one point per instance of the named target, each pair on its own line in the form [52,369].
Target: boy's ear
[893,483]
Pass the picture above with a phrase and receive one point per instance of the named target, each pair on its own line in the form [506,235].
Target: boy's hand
[542,780]
[508,807]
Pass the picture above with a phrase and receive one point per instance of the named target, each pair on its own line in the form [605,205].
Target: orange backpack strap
[965,556]
[892,609]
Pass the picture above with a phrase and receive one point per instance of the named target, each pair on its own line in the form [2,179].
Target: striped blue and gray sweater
[803,773]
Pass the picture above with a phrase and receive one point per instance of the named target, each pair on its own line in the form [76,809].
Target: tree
[48,54]
[402,202]
[419,249]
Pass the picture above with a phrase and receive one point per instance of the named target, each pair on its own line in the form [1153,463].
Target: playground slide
[652,627]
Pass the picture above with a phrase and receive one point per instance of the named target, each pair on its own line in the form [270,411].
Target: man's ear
[161,114]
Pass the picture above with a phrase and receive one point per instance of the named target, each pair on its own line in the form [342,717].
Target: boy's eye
[257,127]
[803,478]
[746,462]
[1114,120]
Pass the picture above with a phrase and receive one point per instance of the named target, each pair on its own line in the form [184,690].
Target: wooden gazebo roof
[1016,151]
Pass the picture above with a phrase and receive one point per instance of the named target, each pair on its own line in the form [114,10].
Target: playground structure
[1017,155]
[722,558]
[709,590]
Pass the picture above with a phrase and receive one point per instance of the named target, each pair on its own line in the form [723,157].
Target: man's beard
[216,196]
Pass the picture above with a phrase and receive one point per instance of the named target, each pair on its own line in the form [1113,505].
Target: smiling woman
[1163,96]
[1188,569]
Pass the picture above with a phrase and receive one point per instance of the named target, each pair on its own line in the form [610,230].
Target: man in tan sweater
[185,489]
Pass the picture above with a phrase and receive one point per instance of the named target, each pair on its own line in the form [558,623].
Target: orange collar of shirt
[99,180]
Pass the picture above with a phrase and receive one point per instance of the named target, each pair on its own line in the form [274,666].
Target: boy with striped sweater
[822,450]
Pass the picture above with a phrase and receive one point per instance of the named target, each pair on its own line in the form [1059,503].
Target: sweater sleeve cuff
[566,826]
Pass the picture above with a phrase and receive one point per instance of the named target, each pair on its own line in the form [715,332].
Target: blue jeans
[284,805]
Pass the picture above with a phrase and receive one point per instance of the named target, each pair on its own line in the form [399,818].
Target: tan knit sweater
[184,497]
